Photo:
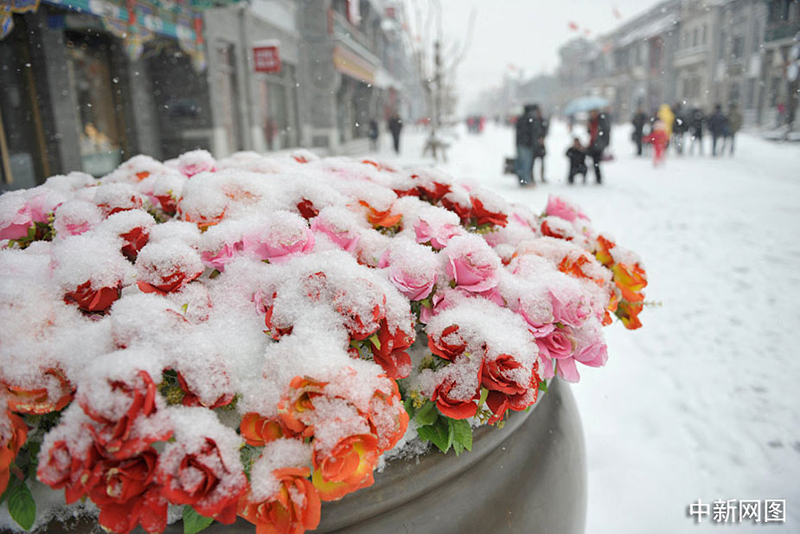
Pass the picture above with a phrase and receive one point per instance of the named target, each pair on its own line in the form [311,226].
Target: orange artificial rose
[302,391]
[17,433]
[293,509]
[630,279]
[257,430]
[38,401]
[346,468]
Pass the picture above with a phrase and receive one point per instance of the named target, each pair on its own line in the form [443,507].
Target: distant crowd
[684,128]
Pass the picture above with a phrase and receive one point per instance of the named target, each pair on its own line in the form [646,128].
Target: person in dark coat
[639,120]
[717,125]
[525,143]
[734,123]
[679,127]
[540,128]
[577,161]
[395,125]
[373,134]
[599,132]
[696,123]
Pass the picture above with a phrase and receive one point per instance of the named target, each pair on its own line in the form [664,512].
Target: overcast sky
[523,33]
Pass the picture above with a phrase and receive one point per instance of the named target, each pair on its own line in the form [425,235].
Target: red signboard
[266,59]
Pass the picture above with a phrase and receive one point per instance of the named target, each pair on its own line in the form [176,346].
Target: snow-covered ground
[703,402]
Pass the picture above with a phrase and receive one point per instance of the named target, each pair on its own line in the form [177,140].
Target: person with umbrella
[599,135]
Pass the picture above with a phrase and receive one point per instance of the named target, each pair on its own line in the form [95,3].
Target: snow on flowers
[247,337]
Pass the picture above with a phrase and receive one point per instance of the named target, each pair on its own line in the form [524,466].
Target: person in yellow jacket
[666,116]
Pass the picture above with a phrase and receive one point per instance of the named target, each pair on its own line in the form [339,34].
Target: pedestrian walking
[716,125]
[599,131]
[540,127]
[781,114]
[667,117]
[577,161]
[525,139]
[679,127]
[734,124]
[395,125]
[696,124]
[639,120]
[659,139]
[373,134]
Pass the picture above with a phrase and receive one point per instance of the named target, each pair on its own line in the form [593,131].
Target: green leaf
[408,404]
[375,341]
[543,386]
[21,505]
[458,448]
[484,395]
[462,432]
[194,522]
[438,434]
[427,415]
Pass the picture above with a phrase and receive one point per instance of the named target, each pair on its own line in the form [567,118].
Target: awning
[351,64]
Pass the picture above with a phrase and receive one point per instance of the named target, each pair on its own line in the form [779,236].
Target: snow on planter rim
[249,336]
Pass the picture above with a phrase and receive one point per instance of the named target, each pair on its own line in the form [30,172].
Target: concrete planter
[528,477]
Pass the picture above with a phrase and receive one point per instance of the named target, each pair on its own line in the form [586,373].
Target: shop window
[228,95]
[94,89]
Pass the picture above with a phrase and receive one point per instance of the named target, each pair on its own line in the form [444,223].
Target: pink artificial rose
[439,303]
[343,238]
[540,321]
[413,286]
[280,248]
[593,355]
[570,311]
[15,218]
[42,205]
[439,237]
[558,207]
[217,260]
[471,272]
[558,344]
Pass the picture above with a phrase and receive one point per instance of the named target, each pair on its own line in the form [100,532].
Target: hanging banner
[348,62]
[7,10]
[266,57]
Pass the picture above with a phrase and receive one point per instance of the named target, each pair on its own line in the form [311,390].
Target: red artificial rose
[190,399]
[62,468]
[347,467]
[134,241]
[307,209]
[449,345]
[484,216]
[504,392]
[93,300]
[114,436]
[257,430]
[170,283]
[463,212]
[362,310]
[389,351]
[454,408]
[133,202]
[433,193]
[168,203]
[8,451]
[202,479]
[556,232]
[127,496]
[293,509]
[38,401]
[495,375]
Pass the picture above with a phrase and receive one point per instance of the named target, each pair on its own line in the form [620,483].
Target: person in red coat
[659,139]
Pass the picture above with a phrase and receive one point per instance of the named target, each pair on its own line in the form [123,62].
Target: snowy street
[700,403]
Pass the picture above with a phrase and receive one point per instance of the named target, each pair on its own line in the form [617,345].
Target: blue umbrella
[584,103]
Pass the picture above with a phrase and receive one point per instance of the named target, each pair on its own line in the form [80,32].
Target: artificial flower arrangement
[247,337]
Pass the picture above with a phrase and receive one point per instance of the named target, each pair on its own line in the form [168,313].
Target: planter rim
[430,470]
